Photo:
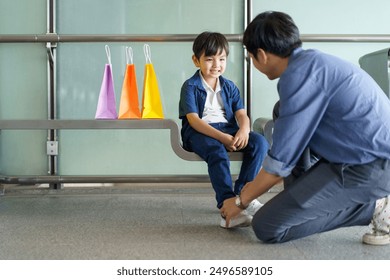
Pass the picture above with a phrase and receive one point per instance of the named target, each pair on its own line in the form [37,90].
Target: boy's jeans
[214,153]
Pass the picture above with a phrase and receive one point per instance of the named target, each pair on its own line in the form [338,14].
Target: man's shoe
[380,234]
[241,220]
[376,238]
[253,207]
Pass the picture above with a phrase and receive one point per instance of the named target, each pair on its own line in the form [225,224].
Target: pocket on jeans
[319,184]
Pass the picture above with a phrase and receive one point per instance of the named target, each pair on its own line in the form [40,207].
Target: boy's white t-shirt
[214,110]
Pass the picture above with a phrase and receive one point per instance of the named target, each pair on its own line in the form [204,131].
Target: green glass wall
[23,72]
[79,74]
[23,87]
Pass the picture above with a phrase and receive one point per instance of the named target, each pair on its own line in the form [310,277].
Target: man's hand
[229,210]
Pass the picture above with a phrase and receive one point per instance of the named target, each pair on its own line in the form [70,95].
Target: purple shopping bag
[106,107]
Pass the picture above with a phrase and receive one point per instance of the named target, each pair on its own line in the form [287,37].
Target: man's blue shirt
[331,106]
[193,99]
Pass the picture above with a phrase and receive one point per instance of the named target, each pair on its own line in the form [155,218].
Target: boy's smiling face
[211,66]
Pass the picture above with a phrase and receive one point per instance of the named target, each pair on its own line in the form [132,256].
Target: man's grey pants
[325,197]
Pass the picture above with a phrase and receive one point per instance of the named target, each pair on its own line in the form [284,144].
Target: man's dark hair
[210,43]
[274,32]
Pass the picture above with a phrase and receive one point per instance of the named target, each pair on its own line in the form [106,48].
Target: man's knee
[264,231]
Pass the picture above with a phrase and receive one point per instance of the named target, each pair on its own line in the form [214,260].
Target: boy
[329,110]
[214,122]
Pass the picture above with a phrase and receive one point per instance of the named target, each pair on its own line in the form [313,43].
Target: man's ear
[262,56]
[195,60]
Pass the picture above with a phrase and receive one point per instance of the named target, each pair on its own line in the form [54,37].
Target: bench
[112,124]
[54,180]
[105,124]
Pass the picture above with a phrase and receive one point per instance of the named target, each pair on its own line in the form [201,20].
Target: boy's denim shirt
[193,99]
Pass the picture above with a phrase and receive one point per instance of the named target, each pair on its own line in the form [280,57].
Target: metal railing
[88,38]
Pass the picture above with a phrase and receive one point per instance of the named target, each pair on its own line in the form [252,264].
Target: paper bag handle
[129,55]
[148,54]
[108,54]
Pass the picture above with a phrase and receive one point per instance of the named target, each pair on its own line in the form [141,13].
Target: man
[333,114]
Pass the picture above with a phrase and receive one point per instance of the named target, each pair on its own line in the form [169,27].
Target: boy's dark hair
[210,43]
[274,32]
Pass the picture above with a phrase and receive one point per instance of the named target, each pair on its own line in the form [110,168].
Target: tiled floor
[148,221]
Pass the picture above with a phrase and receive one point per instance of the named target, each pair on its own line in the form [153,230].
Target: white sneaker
[376,238]
[253,207]
[380,234]
[241,220]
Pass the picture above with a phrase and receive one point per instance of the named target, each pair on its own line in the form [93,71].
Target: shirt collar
[296,52]
[207,87]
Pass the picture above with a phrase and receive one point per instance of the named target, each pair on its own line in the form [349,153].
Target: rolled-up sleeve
[276,167]
[187,102]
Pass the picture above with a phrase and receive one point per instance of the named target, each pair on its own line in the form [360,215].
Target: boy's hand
[228,142]
[242,136]
[241,139]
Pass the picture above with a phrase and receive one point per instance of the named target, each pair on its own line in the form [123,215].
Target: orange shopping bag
[151,101]
[106,107]
[129,105]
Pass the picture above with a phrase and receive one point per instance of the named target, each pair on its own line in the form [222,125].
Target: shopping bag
[129,105]
[151,101]
[106,107]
